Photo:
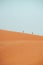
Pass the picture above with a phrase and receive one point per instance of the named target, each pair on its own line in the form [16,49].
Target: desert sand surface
[11,36]
[20,48]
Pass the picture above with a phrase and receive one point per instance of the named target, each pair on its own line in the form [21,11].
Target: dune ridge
[11,36]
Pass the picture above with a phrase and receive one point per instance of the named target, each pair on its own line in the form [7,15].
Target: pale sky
[19,15]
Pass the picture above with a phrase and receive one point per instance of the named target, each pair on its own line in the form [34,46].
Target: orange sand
[11,36]
[20,49]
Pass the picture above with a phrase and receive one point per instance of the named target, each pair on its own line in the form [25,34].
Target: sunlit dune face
[21,51]
[11,36]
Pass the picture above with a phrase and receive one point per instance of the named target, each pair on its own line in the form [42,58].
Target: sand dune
[11,36]
[20,49]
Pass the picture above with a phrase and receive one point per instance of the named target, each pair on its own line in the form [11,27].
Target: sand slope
[21,53]
[11,36]
[20,49]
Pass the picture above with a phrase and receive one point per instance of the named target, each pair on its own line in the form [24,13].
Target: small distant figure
[32,33]
[23,31]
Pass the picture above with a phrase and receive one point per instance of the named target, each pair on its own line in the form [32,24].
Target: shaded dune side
[11,36]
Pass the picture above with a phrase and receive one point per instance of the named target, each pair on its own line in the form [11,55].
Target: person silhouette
[23,31]
[32,32]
